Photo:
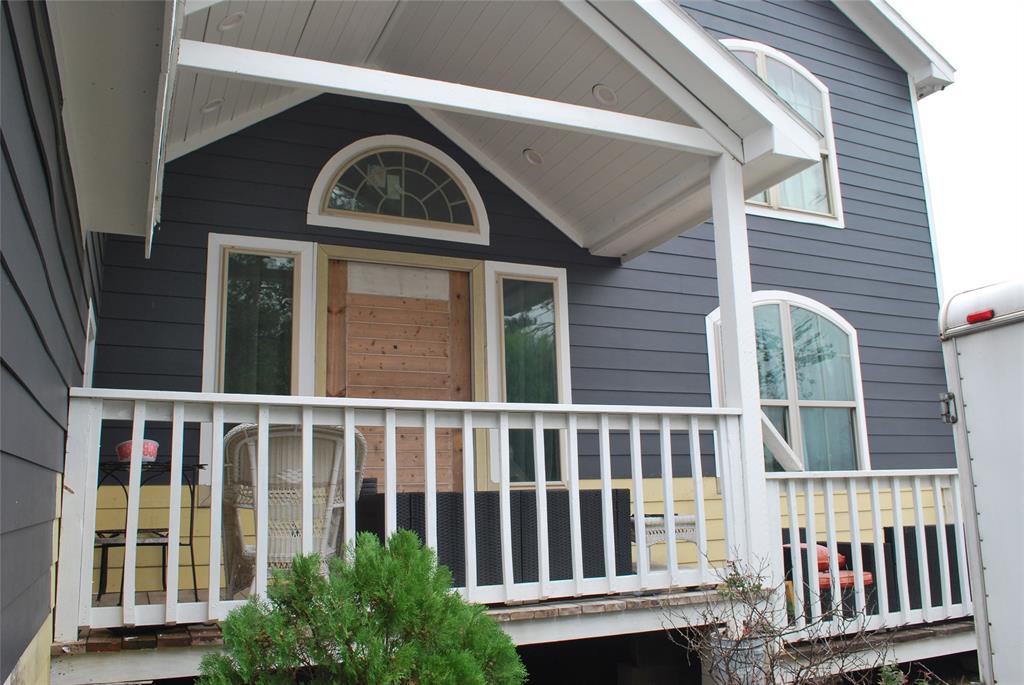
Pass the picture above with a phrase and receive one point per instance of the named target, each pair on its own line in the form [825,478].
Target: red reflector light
[978,317]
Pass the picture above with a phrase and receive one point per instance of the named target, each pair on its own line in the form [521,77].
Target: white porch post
[739,363]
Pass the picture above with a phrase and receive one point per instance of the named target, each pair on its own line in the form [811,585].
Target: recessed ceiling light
[533,157]
[604,94]
[232,21]
[212,106]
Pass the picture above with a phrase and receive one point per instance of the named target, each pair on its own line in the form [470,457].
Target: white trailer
[982,335]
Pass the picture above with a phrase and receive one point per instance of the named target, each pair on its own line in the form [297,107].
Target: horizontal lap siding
[46,275]
[636,330]
[878,272]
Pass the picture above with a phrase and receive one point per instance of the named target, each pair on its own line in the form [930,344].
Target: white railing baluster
[853,507]
[605,452]
[943,547]
[922,550]
[505,507]
[903,579]
[350,494]
[795,559]
[307,480]
[216,512]
[851,484]
[881,576]
[668,494]
[430,477]
[131,534]
[812,550]
[730,463]
[835,591]
[469,502]
[575,523]
[961,546]
[639,525]
[700,519]
[390,474]
[540,478]
[78,519]
[174,514]
[263,498]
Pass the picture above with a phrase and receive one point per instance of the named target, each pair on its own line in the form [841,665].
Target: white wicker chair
[284,496]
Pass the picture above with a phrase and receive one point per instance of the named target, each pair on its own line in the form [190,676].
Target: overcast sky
[973,142]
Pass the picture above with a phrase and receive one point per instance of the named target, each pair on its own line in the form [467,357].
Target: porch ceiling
[614,195]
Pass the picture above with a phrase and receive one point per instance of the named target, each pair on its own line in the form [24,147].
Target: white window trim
[493,273]
[792,459]
[835,220]
[304,316]
[479,234]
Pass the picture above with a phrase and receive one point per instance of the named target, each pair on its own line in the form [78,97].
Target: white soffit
[897,38]
[113,62]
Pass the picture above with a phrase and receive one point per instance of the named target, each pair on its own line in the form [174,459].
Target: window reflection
[531,360]
[258,324]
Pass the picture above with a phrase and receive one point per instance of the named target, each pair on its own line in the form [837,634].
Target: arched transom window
[398,185]
[813,194]
[809,377]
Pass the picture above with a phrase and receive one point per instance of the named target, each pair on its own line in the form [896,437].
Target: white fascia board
[929,70]
[174,19]
[689,210]
[109,59]
[667,83]
[298,72]
[716,77]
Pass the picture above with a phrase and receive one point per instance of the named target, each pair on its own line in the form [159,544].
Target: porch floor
[207,634]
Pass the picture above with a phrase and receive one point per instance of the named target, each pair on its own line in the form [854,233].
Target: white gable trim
[929,71]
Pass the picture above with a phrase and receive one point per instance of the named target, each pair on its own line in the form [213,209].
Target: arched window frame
[790,456]
[828,144]
[318,213]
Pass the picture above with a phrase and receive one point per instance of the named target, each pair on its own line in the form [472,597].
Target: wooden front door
[399,332]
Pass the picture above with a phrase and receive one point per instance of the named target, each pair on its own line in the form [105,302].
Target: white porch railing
[901,534]
[133,410]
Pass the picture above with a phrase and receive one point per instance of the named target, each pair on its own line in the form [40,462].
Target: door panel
[401,333]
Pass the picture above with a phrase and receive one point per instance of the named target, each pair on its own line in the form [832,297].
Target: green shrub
[389,616]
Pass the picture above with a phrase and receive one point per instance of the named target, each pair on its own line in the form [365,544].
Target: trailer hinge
[947,401]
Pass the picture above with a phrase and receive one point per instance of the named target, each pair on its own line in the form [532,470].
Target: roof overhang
[118,62]
[116,72]
[928,70]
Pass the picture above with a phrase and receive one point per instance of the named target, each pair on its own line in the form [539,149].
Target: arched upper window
[398,185]
[809,372]
[813,194]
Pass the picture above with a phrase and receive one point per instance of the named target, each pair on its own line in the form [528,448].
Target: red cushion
[846,579]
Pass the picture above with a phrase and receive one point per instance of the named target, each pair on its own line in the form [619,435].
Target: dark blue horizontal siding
[45,277]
